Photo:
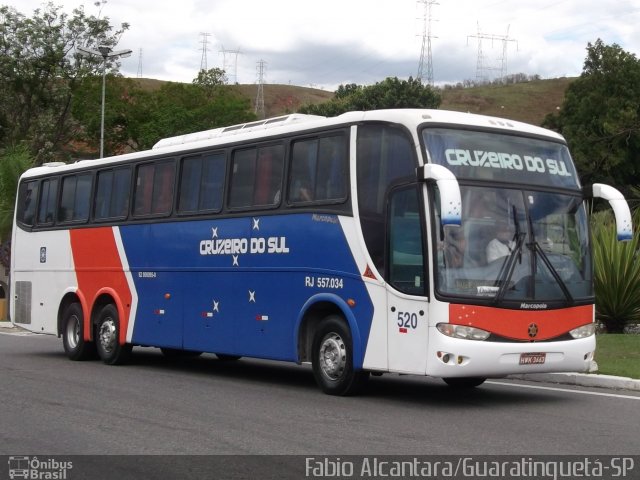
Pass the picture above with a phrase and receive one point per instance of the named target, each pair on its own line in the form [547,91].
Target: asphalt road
[205,406]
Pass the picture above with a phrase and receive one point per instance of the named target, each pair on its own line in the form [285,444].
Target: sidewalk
[577,379]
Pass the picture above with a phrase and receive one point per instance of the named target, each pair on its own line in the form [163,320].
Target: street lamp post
[106,53]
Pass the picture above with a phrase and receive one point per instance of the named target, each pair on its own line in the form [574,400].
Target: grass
[618,354]
[527,102]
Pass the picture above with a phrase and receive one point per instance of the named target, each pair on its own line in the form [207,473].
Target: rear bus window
[27,197]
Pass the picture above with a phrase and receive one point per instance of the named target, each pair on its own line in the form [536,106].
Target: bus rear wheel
[75,346]
[107,335]
[332,360]
[464,382]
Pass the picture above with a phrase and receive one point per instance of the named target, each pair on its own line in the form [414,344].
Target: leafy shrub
[616,273]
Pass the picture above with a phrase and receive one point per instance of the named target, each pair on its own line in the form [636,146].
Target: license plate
[532,358]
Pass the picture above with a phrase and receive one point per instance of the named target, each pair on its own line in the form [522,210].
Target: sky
[326,43]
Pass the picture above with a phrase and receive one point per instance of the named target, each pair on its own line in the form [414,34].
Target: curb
[582,380]
[577,379]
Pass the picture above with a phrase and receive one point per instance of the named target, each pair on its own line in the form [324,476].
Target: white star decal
[216,306]
[235,261]
[252,296]
[256,224]
[214,232]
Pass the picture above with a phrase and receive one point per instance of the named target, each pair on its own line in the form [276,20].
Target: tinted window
[385,155]
[27,195]
[154,189]
[75,198]
[202,183]
[112,194]
[256,177]
[47,206]
[406,265]
[318,170]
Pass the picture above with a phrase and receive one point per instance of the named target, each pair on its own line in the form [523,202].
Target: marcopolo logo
[38,469]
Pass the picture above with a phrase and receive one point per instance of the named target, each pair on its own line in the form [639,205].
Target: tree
[390,93]
[210,80]
[600,116]
[178,108]
[40,71]
[121,98]
[13,163]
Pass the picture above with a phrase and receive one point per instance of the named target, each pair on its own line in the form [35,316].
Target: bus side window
[242,178]
[154,189]
[112,194]
[332,169]
[269,166]
[212,183]
[47,206]
[75,198]
[318,170]
[164,180]
[27,196]
[304,160]
[256,177]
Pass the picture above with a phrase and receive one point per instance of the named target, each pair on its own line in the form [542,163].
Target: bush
[616,273]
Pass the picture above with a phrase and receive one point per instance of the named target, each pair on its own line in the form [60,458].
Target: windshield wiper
[535,247]
[509,265]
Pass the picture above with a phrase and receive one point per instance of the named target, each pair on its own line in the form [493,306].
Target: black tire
[464,382]
[75,346]
[177,353]
[332,359]
[107,334]
[227,358]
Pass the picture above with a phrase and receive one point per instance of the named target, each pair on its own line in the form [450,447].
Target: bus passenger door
[406,291]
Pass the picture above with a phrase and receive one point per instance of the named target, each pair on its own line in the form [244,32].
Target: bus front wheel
[333,359]
[107,335]
[75,346]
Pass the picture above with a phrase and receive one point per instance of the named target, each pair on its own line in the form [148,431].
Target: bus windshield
[516,244]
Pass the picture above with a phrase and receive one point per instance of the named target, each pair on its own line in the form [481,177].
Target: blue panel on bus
[241,283]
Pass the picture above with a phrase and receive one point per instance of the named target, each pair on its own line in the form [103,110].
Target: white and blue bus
[411,241]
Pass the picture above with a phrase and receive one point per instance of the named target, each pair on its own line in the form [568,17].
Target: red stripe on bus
[99,270]
[521,324]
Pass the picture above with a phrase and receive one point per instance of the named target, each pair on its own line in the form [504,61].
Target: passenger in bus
[454,247]
[503,244]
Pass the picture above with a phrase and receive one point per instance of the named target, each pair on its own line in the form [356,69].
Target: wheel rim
[73,332]
[107,335]
[333,356]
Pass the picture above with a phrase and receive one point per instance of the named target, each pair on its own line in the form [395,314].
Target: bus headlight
[583,331]
[461,331]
